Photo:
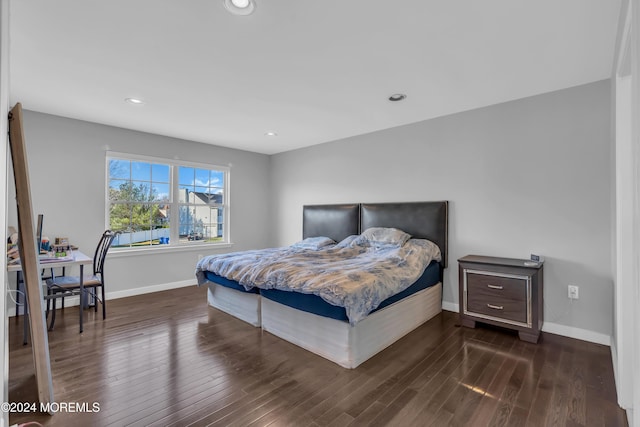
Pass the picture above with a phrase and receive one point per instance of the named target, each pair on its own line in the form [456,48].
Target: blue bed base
[316,305]
[232,284]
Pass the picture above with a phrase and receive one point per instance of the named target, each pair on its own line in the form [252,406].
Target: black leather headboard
[423,220]
[334,221]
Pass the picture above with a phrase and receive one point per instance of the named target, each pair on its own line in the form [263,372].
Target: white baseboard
[150,289]
[577,333]
[623,388]
[614,362]
[449,306]
[555,328]
[73,301]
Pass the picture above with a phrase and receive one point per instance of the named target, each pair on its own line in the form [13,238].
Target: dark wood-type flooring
[167,359]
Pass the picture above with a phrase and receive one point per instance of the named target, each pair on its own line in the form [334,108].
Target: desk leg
[25,317]
[25,323]
[81,305]
[18,278]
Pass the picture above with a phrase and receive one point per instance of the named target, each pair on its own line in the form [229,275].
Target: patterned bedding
[353,274]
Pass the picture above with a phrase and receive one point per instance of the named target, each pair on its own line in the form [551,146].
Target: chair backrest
[101,251]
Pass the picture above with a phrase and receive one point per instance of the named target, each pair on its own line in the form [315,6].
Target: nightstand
[505,292]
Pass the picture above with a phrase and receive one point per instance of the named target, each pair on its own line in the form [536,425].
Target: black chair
[20,290]
[65,286]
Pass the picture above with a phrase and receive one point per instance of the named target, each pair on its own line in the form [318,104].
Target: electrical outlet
[573,292]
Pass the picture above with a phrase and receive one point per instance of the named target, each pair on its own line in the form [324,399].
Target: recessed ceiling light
[240,7]
[134,101]
[397,97]
[270,134]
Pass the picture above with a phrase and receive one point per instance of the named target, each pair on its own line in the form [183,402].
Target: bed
[312,323]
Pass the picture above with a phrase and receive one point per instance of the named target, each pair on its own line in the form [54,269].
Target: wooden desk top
[76,258]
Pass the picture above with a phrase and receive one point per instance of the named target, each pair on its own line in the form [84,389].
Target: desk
[75,258]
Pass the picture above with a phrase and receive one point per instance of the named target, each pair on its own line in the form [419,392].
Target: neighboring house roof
[205,198]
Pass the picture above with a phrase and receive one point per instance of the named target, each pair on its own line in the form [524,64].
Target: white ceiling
[311,70]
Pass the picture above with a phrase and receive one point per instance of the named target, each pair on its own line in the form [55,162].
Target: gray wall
[528,175]
[67,173]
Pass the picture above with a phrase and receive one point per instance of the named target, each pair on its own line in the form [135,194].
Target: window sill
[166,249]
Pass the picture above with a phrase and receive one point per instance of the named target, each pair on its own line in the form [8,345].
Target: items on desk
[61,251]
[61,247]
[45,245]
[13,235]
[13,255]
[61,241]
[46,259]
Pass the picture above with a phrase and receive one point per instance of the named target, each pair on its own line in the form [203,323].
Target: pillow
[346,242]
[313,243]
[384,236]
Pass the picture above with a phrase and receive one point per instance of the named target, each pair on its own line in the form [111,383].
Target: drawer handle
[495,307]
[495,287]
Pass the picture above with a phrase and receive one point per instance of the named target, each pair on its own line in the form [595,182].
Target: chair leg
[104,303]
[49,293]
[53,315]
[64,272]
[46,315]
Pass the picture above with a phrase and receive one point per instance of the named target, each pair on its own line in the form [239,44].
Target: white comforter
[356,277]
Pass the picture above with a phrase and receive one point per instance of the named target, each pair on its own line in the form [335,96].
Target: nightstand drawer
[503,297]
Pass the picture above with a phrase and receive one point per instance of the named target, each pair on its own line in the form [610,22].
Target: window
[161,202]
[201,197]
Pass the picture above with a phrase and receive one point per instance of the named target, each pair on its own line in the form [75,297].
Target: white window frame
[174,239]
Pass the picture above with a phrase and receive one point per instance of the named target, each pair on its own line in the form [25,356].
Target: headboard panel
[334,221]
[423,220]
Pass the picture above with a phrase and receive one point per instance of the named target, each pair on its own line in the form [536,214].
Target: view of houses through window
[153,202]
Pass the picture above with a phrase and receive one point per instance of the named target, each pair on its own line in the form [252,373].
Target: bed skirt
[347,345]
[243,305]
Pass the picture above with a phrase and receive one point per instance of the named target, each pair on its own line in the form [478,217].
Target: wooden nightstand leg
[528,336]
[468,322]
